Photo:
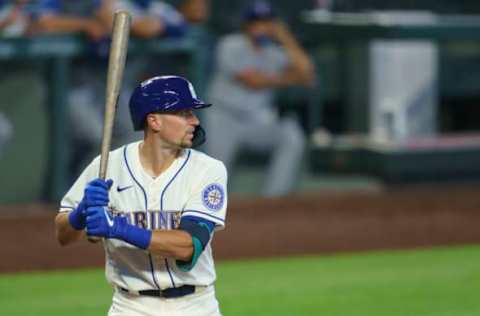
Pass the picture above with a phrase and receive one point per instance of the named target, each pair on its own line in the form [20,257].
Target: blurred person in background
[152,19]
[195,12]
[65,16]
[14,18]
[250,65]
[13,22]
[87,86]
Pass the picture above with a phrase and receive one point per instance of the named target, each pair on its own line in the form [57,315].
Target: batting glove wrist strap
[136,236]
[76,218]
[101,223]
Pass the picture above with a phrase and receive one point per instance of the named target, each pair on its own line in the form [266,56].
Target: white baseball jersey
[194,185]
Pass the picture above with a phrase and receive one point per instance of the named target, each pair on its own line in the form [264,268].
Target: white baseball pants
[202,303]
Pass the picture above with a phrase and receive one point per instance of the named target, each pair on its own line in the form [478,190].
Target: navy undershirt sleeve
[201,230]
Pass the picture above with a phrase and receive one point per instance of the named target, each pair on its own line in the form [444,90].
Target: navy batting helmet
[164,94]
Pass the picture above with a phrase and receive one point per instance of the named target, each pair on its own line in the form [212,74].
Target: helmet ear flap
[199,137]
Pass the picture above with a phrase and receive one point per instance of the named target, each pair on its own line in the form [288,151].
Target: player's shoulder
[201,160]
[118,154]
[124,150]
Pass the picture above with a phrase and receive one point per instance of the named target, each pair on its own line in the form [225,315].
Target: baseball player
[158,210]
[250,65]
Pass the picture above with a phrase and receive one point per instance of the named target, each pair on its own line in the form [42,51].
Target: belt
[167,293]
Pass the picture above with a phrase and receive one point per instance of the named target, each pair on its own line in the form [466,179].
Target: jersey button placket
[155,197]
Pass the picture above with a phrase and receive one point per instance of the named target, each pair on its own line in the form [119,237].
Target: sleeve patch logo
[213,197]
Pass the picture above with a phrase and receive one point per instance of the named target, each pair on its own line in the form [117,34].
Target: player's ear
[154,121]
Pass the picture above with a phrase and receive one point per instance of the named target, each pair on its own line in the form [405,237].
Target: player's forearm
[285,79]
[60,24]
[105,13]
[296,76]
[301,68]
[4,24]
[10,18]
[175,244]
[257,80]
[147,27]
[64,232]
[293,49]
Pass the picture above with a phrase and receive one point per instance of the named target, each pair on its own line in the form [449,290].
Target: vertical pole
[59,146]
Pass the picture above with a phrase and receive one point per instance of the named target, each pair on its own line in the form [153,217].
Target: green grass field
[436,282]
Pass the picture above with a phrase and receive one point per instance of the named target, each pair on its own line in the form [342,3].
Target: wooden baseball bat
[116,65]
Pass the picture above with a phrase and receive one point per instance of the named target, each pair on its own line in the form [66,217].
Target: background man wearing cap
[158,210]
[249,66]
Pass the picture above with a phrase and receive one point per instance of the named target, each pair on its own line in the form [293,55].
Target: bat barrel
[116,65]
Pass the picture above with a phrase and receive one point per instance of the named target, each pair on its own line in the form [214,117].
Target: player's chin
[187,142]
[186,145]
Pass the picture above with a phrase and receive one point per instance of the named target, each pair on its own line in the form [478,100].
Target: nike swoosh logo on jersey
[109,219]
[119,189]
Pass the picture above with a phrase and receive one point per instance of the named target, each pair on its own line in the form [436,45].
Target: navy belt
[167,293]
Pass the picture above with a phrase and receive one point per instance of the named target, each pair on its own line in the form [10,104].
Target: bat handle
[94,239]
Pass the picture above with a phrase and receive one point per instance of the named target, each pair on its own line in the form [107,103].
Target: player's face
[177,128]
[260,28]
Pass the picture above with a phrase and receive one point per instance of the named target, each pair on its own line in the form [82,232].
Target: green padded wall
[23,162]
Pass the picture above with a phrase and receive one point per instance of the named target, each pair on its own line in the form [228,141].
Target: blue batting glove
[101,223]
[96,193]
[77,217]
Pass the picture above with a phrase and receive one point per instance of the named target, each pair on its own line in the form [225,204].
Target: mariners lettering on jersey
[153,219]
[213,196]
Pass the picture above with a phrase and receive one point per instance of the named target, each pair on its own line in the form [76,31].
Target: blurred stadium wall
[437,159]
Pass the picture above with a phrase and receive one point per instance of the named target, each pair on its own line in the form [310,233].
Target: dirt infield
[322,223]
